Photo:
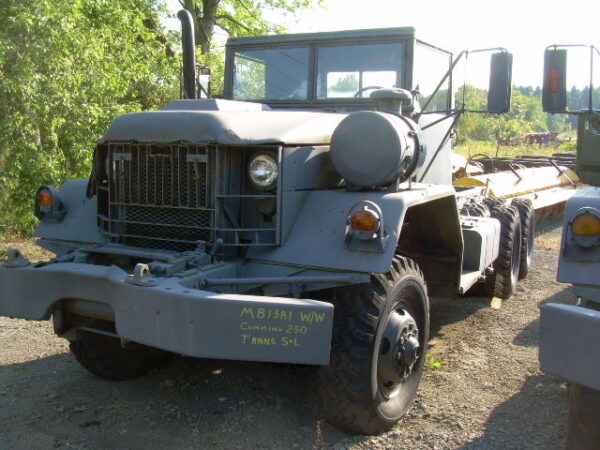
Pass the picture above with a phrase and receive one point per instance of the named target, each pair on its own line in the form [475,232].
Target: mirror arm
[442,143]
[441,83]
[591,97]
[451,113]
[449,72]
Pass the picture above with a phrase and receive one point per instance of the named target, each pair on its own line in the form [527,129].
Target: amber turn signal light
[44,198]
[586,225]
[364,220]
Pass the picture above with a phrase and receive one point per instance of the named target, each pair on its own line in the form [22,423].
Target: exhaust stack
[189,58]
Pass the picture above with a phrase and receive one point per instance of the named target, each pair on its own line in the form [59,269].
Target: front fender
[79,225]
[578,265]
[317,237]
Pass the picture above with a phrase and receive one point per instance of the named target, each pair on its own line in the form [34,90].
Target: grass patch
[433,362]
[28,248]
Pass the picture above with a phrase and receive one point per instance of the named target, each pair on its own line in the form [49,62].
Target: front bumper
[173,317]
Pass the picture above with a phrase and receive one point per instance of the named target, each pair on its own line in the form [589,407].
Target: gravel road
[482,389]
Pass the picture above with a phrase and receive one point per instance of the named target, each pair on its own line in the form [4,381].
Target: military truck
[570,334]
[304,218]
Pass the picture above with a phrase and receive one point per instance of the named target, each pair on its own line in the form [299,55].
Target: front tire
[378,350]
[105,357]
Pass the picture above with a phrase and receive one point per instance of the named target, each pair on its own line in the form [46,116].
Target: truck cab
[575,354]
[339,72]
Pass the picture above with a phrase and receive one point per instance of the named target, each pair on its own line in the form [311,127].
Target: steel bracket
[141,276]
[14,258]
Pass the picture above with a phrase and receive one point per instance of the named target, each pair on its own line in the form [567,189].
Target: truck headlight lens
[586,224]
[263,171]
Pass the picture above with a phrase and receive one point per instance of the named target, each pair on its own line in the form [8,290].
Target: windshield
[271,74]
[347,71]
[341,71]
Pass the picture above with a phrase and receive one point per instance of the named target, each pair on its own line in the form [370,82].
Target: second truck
[570,334]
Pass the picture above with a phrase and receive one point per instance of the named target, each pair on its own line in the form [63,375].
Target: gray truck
[570,334]
[304,218]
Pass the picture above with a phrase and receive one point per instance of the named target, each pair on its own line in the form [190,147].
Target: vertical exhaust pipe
[189,57]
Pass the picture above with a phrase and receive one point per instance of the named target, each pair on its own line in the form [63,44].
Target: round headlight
[263,171]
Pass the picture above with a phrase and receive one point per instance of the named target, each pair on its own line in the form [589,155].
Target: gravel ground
[482,389]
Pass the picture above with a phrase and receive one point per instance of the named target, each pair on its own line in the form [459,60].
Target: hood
[227,127]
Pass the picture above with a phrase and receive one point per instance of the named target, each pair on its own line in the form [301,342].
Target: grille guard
[176,196]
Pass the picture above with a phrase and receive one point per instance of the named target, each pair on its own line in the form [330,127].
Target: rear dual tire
[502,282]
[527,216]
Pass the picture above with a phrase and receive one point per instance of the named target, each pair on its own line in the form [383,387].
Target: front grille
[156,196]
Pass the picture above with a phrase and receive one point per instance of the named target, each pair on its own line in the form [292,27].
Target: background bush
[67,68]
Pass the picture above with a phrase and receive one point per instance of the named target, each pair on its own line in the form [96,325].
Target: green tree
[525,116]
[347,83]
[238,17]
[67,68]
[472,126]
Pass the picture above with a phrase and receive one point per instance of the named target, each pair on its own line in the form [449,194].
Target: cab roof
[346,35]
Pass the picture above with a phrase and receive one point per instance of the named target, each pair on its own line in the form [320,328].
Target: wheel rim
[530,240]
[515,258]
[399,350]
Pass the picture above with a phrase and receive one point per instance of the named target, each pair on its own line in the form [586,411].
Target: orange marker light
[586,225]
[364,220]
[554,79]
[44,198]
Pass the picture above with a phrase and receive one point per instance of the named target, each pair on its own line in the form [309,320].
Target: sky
[524,27]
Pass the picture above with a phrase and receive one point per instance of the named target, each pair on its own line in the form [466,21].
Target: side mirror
[554,92]
[500,88]
[203,81]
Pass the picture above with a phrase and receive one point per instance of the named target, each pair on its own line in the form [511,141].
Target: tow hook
[141,276]
[14,258]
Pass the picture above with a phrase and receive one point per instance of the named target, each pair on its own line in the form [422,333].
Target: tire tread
[345,388]
[103,356]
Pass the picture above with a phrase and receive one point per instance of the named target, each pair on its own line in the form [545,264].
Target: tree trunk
[204,21]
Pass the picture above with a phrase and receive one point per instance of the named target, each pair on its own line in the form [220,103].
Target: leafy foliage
[251,75]
[236,18]
[525,116]
[67,68]
[348,83]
